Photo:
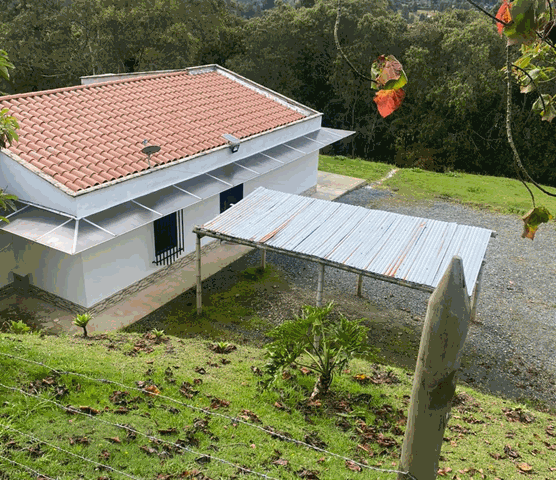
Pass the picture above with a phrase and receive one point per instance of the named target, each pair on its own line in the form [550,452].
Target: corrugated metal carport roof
[396,248]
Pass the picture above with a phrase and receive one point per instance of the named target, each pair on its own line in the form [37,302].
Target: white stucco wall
[117,264]
[295,177]
[50,270]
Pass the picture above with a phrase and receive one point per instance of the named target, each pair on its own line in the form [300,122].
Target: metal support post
[320,284]
[359,284]
[476,291]
[199,285]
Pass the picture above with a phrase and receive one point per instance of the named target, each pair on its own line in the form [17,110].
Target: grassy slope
[475,439]
[482,434]
[500,194]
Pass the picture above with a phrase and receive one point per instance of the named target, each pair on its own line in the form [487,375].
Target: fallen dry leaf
[217,403]
[353,466]
[524,467]
[167,431]
[152,390]
[89,410]
[444,471]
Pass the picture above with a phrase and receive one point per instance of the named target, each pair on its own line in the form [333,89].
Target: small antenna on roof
[149,150]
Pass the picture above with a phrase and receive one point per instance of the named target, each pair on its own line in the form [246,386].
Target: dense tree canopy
[453,111]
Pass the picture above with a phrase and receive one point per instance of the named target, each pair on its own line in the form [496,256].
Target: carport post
[199,286]
[359,284]
[476,292]
[263,258]
[320,284]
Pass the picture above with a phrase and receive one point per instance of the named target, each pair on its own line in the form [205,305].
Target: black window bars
[168,238]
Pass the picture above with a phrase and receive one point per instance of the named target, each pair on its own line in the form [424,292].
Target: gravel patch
[511,348]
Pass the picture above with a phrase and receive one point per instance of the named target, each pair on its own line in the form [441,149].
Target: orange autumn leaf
[504,15]
[152,390]
[388,101]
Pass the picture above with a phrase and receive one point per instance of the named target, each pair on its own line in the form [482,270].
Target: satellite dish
[149,150]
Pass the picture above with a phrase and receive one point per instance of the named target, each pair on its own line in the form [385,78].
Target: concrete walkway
[330,186]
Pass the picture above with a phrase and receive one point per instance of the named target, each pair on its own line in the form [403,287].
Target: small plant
[158,335]
[82,321]
[222,347]
[329,344]
[19,327]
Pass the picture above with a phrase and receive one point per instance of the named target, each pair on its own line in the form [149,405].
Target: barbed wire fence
[236,420]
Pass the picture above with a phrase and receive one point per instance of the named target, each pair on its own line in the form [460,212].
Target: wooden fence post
[263,258]
[434,385]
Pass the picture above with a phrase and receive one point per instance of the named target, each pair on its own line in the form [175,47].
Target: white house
[102,209]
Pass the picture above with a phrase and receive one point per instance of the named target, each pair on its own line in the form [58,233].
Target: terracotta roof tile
[87,135]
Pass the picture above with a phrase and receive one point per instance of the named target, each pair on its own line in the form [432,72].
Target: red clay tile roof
[89,135]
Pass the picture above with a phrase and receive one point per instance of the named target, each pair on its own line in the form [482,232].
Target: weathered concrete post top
[444,332]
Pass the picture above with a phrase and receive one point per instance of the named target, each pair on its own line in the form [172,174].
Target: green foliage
[5,64]
[8,127]
[82,321]
[19,327]
[330,344]
[6,201]
[158,334]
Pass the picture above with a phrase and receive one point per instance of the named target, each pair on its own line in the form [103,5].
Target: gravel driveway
[511,350]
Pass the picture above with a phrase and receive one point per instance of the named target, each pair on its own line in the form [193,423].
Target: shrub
[329,344]
[19,327]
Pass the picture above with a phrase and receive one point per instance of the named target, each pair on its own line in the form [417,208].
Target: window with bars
[168,238]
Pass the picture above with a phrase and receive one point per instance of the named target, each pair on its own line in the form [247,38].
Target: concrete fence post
[444,332]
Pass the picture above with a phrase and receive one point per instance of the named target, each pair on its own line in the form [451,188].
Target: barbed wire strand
[70,453]
[208,412]
[29,469]
[71,409]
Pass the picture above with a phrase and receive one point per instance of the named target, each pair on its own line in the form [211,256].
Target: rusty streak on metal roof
[410,251]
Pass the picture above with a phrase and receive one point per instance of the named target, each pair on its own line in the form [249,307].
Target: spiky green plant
[158,334]
[329,344]
[19,327]
[82,321]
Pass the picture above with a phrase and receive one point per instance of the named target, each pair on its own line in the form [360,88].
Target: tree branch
[340,48]
[486,13]
[509,131]
[533,82]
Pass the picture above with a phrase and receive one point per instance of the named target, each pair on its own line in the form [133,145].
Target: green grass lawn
[364,422]
[495,193]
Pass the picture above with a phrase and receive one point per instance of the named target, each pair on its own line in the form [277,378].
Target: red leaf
[388,101]
[504,15]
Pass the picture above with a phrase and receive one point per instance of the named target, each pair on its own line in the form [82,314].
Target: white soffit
[71,235]
[410,251]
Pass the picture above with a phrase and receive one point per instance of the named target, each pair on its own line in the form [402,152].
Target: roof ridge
[110,82]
